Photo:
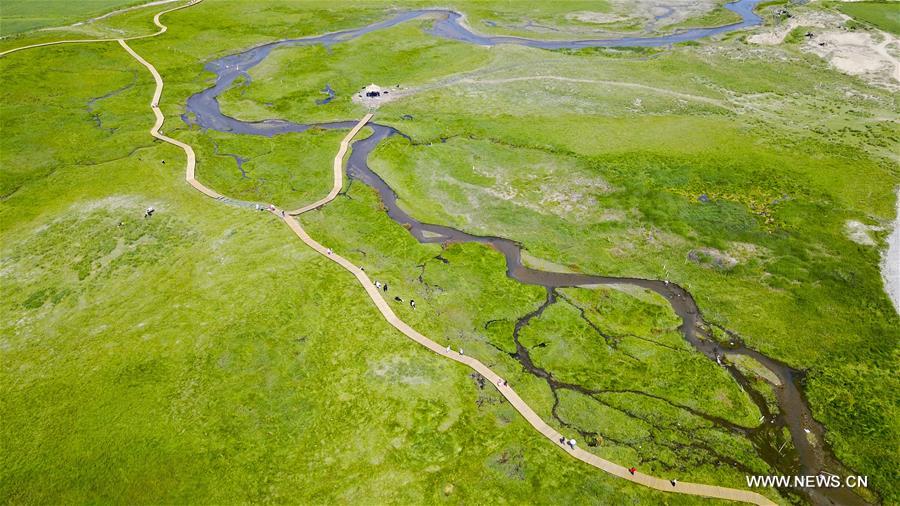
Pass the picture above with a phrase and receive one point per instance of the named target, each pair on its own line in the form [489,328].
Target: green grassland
[882,15]
[224,362]
[477,305]
[199,355]
[22,15]
[405,56]
[718,16]
[633,208]
[610,182]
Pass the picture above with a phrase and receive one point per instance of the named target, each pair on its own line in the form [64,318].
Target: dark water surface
[203,109]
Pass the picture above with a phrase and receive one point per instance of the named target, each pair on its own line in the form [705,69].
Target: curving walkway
[384,308]
[523,408]
[338,170]
[162,30]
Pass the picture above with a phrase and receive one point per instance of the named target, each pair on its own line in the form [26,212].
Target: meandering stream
[810,458]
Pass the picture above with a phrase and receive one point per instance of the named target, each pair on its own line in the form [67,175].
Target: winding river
[794,413]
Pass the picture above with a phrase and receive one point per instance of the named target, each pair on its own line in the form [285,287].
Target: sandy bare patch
[860,54]
[815,19]
[659,14]
[737,253]
[374,95]
[859,232]
[599,18]
[872,55]
[712,258]
[890,261]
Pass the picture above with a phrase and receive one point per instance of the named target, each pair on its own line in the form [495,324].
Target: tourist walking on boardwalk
[632,470]
[673,482]
[378,285]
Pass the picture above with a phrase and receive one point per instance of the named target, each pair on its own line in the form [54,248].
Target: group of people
[271,208]
[567,442]
[450,350]
[384,286]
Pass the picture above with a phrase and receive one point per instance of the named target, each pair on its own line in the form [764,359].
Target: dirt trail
[473,80]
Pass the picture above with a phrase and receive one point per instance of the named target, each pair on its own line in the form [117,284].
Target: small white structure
[374,95]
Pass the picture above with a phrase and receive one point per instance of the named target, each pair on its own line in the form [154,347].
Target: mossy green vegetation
[205,354]
[883,15]
[24,15]
[718,16]
[406,56]
[225,362]
[655,388]
[748,214]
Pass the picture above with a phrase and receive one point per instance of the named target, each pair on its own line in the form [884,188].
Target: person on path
[329,251]
[572,443]
[448,348]
[461,352]
[378,284]
[673,482]
[282,213]
[632,470]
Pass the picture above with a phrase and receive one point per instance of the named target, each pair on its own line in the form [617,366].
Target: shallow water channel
[809,458]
